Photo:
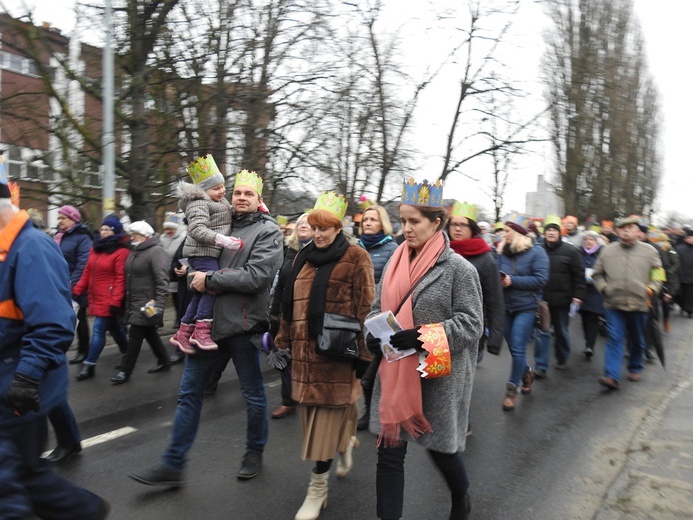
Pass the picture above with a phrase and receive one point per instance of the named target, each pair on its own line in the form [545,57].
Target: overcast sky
[665,25]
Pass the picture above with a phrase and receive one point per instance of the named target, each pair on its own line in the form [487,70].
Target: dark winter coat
[75,246]
[566,274]
[380,254]
[528,268]
[146,278]
[104,277]
[317,380]
[685,252]
[283,275]
[593,301]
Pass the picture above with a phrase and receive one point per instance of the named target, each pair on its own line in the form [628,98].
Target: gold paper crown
[553,219]
[205,173]
[330,201]
[463,209]
[252,179]
[282,220]
[422,194]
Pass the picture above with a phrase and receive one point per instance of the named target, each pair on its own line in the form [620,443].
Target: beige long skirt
[327,430]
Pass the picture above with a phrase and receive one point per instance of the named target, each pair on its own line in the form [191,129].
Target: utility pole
[108,140]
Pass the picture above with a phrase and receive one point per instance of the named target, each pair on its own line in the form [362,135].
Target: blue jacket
[37,322]
[380,254]
[75,246]
[529,272]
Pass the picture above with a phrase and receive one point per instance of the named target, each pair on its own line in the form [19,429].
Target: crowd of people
[450,287]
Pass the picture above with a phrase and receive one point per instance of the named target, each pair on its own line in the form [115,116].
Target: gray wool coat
[205,219]
[449,293]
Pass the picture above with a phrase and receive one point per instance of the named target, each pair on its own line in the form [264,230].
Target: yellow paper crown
[330,201]
[553,219]
[252,179]
[282,220]
[205,173]
[463,209]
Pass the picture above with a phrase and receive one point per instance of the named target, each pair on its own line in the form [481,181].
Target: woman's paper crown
[463,209]
[518,218]
[282,220]
[252,179]
[330,201]
[204,172]
[423,193]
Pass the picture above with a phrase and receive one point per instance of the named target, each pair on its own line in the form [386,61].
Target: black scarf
[324,260]
[109,243]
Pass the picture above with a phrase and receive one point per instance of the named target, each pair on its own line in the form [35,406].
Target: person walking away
[671,290]
[146,292]
[524,271]
[172,237]
[592,308]
[685,252]
[565,286]
[104,279]
[37,326]
[330,276]
[301,236]
[628,273]
[241,317]
[376,238]
[434,294]
[209,220]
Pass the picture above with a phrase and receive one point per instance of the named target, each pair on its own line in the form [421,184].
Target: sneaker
[588,352]
[250,465]
[634,376]
[159,476]
[609,383]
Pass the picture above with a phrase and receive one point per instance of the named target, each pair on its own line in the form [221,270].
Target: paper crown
[518,219]
[463,209]
[552,219]
[330,201]
[171,219]
[498,226]
[596,229]
[252,179]
[282,220]
[365,202]
[422,194]
[205,173]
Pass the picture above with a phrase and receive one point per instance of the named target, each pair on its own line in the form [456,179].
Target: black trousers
[389,480]
[82,331]
[590,327]
[136,335]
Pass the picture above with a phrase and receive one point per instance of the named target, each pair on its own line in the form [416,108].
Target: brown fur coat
[317,380]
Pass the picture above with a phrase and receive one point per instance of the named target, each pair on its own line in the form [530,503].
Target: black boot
[62,453]
[461,508]
[120,378]
[363,421]
[87,372]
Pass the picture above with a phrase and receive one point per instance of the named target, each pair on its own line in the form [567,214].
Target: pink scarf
[400,393]
[58,237]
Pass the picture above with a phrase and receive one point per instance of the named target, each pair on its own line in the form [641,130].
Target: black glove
[406,339]
[373,344]
[360,367]
[493,349]
[113,310]
[22,395]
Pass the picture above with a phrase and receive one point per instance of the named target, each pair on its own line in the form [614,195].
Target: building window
[18,64]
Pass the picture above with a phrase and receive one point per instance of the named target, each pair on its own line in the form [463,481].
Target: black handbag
[338,339]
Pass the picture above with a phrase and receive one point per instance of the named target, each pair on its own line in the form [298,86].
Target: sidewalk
[657,480]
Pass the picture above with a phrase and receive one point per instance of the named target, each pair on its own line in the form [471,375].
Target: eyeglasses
[105,229]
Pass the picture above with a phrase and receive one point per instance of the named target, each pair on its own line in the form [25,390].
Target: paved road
[556,457]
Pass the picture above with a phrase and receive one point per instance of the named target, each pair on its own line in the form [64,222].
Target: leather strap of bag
[410,291]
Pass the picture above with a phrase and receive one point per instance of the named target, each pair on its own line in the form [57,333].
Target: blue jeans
[201,306]
[518,333]
[98,337]
[28,486]
[198,369]
[542,349]
[65,426]
[617,323]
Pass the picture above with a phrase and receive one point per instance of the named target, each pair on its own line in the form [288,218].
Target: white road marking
[104,437]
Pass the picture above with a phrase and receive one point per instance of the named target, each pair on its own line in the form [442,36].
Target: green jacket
[623,274]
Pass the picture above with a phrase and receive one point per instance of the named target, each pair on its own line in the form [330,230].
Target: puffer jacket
[317,380]
[685,252]
[623,273]
[104,276]
[75,246]
[205,219]
[245,277]
[594,301]
[528,268]
[566,274]
[146,278]
[380,254]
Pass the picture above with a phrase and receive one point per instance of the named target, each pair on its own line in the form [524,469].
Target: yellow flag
[658,274]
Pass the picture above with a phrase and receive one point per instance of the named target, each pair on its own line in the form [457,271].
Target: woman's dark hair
[432,213]
[476,230]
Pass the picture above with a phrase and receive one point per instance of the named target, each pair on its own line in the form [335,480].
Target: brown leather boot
[510,397]
[527,379]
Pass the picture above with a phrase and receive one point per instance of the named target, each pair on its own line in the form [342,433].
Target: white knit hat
[141,228]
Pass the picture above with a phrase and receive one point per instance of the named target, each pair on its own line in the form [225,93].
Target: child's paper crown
[252,179]
[423,193]
[330,201]
[205,173]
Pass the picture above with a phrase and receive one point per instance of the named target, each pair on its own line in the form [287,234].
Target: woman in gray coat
[146,285]
[442,318]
